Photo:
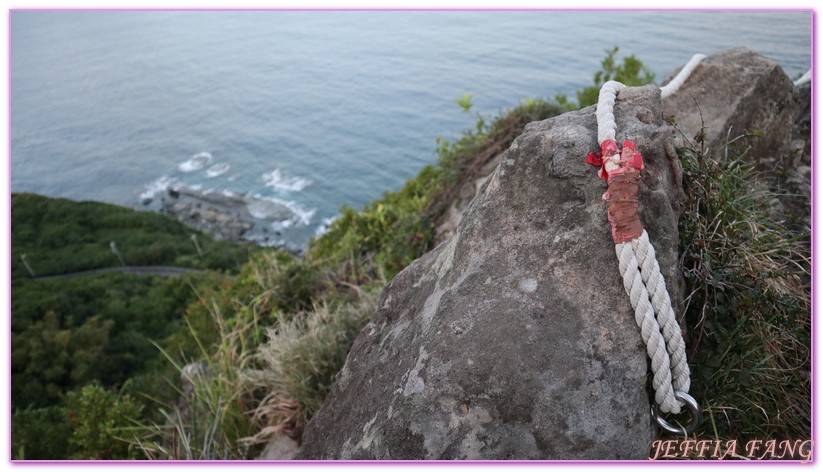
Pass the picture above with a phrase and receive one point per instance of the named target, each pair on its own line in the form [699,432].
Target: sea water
[310,110]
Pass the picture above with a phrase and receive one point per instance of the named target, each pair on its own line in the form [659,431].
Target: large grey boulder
[514,339]
[739,90]
[732,92]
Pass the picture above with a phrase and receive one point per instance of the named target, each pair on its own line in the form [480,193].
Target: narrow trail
[162,271]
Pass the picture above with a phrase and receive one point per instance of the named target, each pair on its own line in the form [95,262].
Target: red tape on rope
[621,169]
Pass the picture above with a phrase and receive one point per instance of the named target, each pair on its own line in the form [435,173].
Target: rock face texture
[514,339]
[738,90]
[451,219]
[735,91]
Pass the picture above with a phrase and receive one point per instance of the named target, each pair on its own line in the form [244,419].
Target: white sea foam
[259,210]
[217,169]
[159,185]
[278,181]
[304,215]
[324,225]
[196,162]
[284,213]
[281,225]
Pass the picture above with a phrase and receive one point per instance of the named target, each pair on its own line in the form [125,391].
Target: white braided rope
[656,286]
[606,126]
[806,77]
[641,274]
[649,328]
[681,76]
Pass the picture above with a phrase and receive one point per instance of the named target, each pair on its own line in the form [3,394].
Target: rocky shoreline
[230,217]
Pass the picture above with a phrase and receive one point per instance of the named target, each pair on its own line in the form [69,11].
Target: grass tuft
[748,304]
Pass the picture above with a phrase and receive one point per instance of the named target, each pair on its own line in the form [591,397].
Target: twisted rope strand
[649,329]
[681,76]
[656,286]
[642,279]
[606,126]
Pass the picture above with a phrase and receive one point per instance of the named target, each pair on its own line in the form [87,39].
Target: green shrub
[49,357]
[60,236]
[211,420]
[60,327]
[627,73]
[101,423]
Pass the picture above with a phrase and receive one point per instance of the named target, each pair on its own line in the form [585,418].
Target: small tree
[628,73]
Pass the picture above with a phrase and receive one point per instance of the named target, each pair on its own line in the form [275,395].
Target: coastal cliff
[476,313]
[513,338]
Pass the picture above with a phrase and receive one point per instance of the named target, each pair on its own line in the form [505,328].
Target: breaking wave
[196,162]
[217,169]
[278,181]
[159,185]
[284,214]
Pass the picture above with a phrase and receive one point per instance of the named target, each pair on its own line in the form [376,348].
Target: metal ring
[690,402]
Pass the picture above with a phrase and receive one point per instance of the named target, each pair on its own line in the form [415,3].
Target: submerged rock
[514,339]
[229,217]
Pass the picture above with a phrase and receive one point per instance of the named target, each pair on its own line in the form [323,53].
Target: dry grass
[299,364]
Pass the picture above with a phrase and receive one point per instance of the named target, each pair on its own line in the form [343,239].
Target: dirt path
[162,271]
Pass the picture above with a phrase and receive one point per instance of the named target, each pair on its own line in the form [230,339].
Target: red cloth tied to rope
[621,169]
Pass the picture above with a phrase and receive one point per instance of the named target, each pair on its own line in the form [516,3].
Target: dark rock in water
[174,193]
[212,221]
[226,216]
[514,339]
[733,92]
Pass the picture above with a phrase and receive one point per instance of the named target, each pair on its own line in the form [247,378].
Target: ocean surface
[312,110]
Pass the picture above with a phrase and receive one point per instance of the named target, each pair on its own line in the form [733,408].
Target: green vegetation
[40,433]
[749,311]
[632,73]
[268,363]
[59,236]
[306,353]
[99,421]
[68,333]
